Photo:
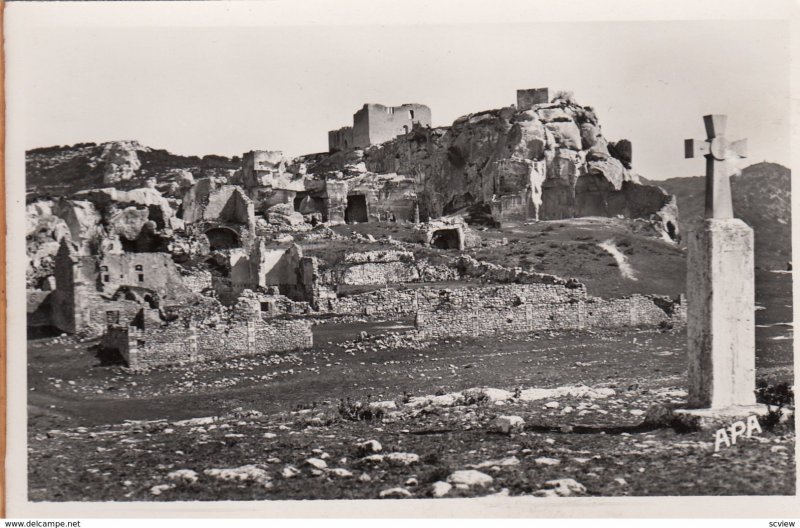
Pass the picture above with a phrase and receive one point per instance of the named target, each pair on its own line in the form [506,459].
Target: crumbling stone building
[374,124]
[87,286]
[224,214]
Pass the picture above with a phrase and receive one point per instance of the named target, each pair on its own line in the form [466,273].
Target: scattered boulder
[440,489]
[402,459]
[284,215]
[562,488]
[340,472]
[504,462]
[370,446]
[529,395]
[186,476]
[247,473]
[394,493]
[317,463]
[161,488]
[507,424]
[290,472]
[469,477]
[490,395]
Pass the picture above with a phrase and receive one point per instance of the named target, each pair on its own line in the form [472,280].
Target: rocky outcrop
[121,161]
[284,215]
[547,162]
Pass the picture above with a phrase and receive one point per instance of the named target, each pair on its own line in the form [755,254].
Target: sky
[228,90]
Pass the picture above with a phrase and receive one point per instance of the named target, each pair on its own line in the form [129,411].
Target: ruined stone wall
[258,167]
[636,310]
[375,267]
[180,341]
[229,204]
[389,197]
[195,199]
[379,273]
[252,336]
[490,310]
[154,271]
[383,303]
[335,201]
[340,139]
[374,123]
[528,98]
[76,306]
[63,298]
[150,347]
[197,280]
[525,308]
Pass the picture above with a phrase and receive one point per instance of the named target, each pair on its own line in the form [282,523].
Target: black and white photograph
[397,252]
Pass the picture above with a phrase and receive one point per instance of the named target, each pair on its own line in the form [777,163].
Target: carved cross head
[721,156]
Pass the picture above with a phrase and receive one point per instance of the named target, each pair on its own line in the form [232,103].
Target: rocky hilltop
[541,159]
[64,170]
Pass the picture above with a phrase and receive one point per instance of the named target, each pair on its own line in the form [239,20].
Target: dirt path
[622,261]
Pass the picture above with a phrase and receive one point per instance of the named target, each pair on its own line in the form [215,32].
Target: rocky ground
[302,424]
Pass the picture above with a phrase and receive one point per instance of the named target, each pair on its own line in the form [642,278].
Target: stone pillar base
[712,419]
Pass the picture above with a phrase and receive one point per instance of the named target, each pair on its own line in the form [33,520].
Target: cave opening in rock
[217,268]
[305,203]
[446,239]
[356,210]
[457,203]
[222,238]
[671,230]
[147,242]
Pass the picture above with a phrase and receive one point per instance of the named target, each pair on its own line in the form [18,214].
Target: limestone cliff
[550,161]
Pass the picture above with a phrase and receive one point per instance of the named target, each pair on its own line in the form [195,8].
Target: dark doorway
[671,230]
[446,239]
[356,210]
[222,238]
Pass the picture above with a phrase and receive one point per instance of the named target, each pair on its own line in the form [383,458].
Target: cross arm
[695,147]
[739,148]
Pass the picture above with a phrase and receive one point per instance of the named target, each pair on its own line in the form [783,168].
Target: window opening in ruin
[446,239]
[222,238]
[139,267]
[411,114]
[112,317]
[141,277]
[106,278]
[390,111]
[356,210]
[405,129]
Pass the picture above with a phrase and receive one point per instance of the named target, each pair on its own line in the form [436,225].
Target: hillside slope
[64,170]
[761,197]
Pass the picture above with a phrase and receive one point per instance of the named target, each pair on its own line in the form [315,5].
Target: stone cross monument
[720,288]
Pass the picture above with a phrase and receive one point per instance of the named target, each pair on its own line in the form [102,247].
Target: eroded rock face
[121,161]
[548,162]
